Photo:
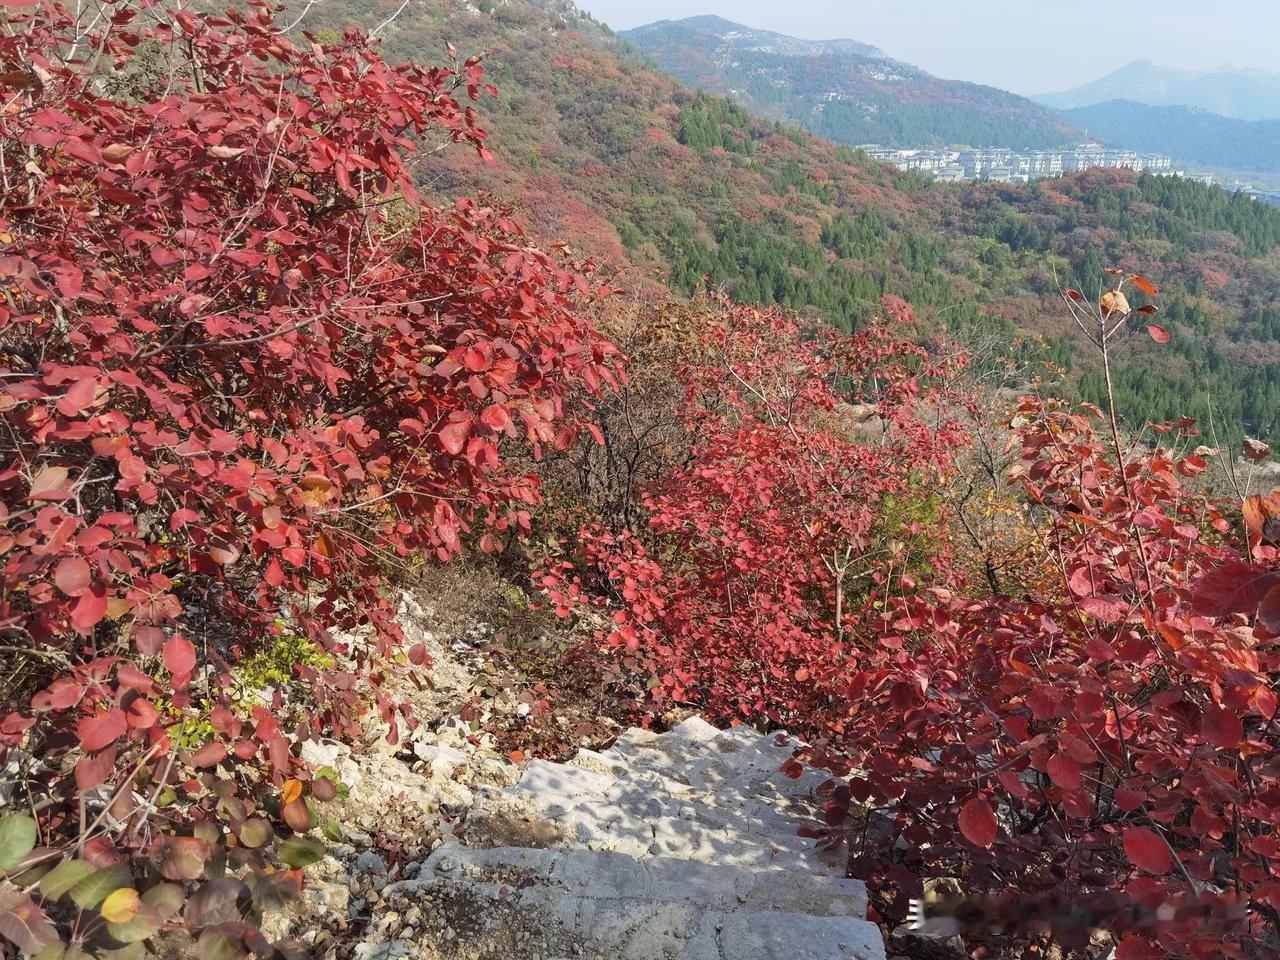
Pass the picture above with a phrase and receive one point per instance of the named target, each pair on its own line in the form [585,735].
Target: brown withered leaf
[1255,451]
[1262,517]
[1113,302]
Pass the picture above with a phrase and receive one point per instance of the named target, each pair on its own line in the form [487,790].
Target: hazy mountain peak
[1243,94]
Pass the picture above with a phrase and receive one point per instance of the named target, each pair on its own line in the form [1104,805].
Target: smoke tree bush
[246,371]
[1111,733]
[1116,733]
[801,507]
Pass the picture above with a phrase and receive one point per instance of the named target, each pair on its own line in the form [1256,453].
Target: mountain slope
[1184,133]
[849,92]
[664,186]
[1241,94]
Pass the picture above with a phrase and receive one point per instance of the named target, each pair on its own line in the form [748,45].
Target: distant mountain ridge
[1239,94]
[734,36]
[848,91]
[1185,133]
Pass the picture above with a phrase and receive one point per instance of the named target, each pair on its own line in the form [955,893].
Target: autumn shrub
[247,377]
[1114,733]
[636,434]
[802,504]
[1110,734]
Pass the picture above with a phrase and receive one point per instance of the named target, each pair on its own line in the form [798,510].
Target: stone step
[559,789]
[512,819]
[604,875]
[485,914]
[753,792]
[737,759]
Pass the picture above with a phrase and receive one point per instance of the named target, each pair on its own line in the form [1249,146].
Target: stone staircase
[680,846]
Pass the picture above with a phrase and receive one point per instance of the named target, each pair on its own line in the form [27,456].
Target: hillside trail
[674,846]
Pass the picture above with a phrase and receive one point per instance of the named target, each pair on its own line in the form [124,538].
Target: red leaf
[210,755]
[93,770]
[130,676]
[223,550]
[978,822]
[143,714]
[102,729]
[1129,800]
[1255,451]
[22,922]
[77,397]
[1147,851]
[274,573]
[90,609]
[1145,285]
[148,638]
[183,858]
[297,816]
[72,576]
[454,437]
[1221,727]
[1264,701]
[496,417]
[1232,588]
[418,654]
[1158,333]
[1269,610]
[179,656]
[1262,514]
[1064,772]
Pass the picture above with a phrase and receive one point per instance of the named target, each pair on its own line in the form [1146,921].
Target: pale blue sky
[1028,46]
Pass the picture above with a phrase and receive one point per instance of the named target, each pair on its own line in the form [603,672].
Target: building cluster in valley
[1001,165]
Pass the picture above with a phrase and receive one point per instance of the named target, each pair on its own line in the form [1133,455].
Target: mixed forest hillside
[1185,133]
[597,148]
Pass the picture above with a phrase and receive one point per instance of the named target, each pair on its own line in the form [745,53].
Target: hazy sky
[1028,46]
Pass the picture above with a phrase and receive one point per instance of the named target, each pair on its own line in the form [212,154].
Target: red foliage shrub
[781,526]
[244,370]
[1116,734]
[1119,734]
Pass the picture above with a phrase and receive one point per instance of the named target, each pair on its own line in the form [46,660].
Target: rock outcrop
[680,846]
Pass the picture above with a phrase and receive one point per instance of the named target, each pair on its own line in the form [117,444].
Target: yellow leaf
[316,489]
[325,546]
[121,905]
[292,790]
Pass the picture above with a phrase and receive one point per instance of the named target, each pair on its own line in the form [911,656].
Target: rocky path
[680,846]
